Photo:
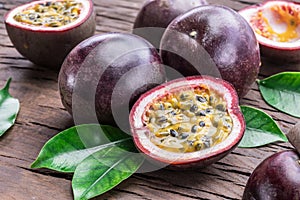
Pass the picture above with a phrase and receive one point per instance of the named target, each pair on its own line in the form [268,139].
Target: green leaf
[9,108]
[67,149]
[261,129]
[282,91]
[105,169]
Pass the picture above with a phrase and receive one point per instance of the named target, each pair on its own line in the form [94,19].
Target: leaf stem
[6,87]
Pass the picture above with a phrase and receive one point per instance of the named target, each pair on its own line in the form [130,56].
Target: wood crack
[134,193]
[47,126]
[46,172]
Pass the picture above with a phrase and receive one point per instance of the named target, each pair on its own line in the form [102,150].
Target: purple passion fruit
[159,14]
[277,28]
[187,122]
[120,65]
[46,31]
[275,178]
[213,40]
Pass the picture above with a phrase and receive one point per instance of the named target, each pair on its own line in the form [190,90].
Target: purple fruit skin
[224,35]
[116,69]
[276,178]
[159,13]
[47,48]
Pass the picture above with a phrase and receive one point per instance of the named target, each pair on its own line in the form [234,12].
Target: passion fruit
[105,74]
[277,28]
[188,122]
[213,40]
[277,177]
[159,14]
[45,31]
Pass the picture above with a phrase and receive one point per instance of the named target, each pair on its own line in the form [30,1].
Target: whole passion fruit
[277,28]
[188,122]
[105,74]
[213,40]
[277,177]
[45,31]
[159,14]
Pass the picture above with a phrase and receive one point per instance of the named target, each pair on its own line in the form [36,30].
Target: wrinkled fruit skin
[100,62]
[275,178]
[159,13]
[49,48]
[210,36]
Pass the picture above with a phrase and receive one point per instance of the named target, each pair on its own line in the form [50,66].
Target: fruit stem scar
[193,34]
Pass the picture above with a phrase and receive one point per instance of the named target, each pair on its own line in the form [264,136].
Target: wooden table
[42,116]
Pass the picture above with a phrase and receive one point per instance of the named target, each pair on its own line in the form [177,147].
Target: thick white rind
[84,13]
[247,13]
[140,132]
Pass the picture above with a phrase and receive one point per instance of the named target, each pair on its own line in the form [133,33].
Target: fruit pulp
[188,120]
[278,23]
[50,14]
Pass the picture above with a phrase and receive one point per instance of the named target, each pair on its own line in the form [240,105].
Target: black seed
[48,3]
[201,99]
[184,96]
[190,142]
[162,119]
[206,141]
[194,108]
[194,129]
[198,146]
[211,98]
[161,106]
[208,110]
[201,113]
[221,107]
[173,133]
[184,135]
[201,123]
[173,112]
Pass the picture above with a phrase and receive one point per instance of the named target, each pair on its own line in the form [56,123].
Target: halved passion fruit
[277,28]
[188,122]
[45,31]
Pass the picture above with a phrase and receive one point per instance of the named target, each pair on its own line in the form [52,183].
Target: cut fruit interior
[275,23]
[51,15]
[192,134]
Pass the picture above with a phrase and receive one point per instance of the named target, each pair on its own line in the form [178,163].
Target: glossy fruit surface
[106,73]
[46,41]
[276,26]
[159,14]
[275,178]
[213,40]
[179,102]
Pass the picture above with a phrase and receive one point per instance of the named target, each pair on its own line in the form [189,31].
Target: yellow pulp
[189,120]
[285,14]
[50,14]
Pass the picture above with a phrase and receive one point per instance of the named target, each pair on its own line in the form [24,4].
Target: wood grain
[42,116]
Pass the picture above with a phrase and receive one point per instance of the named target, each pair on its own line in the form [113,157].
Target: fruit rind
[195,159]
[274,51]
[47,46]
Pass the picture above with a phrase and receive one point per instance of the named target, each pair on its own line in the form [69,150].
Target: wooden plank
[42,116]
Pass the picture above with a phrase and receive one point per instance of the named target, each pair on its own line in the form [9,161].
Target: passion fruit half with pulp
[277,28]
[45,31]
[187,122]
